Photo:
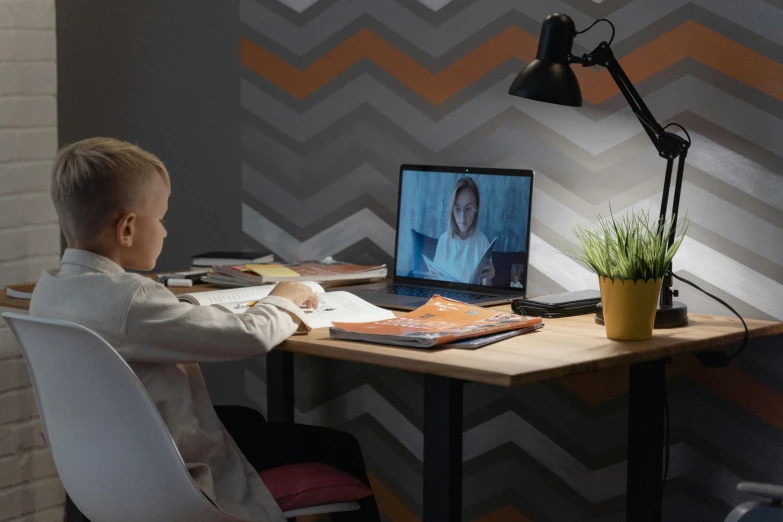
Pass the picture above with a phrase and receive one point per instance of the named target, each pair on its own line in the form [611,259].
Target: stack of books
[318,271]
[440,323]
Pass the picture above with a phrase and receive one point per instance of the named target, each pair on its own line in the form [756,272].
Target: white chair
[756,510]
[114,454]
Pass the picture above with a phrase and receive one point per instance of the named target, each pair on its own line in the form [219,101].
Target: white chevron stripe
[435,5]
[708,264]
[351,230]
[507,427]
[346,407]
[730,276]
[594,485]
[736,170]
[700,206]
[558,267]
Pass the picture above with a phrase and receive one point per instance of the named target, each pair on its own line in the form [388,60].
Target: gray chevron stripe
[696,69]
[595,137]
[325,380]
[363,180]
[434,41]
[759,454]
[361,204]
[492,143]
[360,143]
[293,15]
[716,241]
[700,303]
[340,410]
[540,284]
[598,186]
[729,221]
[365,252]
[599,8]
[363,224]
[551,497]
[754,15]
[528,437]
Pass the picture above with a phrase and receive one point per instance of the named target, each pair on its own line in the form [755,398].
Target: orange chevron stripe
[687,40]
[395,510]
[435,88]
[595,388]
[506,514]
[730,383]
[738,387]
[388,504]
[695,41]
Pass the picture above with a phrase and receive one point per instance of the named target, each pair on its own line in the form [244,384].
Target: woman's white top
[460,257]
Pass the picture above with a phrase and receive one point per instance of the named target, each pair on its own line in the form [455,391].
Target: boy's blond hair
[96,180]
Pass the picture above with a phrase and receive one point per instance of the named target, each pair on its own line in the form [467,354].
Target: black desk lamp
[549,78]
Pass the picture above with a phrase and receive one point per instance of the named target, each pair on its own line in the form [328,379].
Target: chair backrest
[112,450]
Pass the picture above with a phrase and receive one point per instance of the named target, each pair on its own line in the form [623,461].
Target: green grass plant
[630,248]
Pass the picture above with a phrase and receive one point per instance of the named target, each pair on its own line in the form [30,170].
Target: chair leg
[72,513]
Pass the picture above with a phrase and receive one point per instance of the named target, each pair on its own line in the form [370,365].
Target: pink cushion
[298,486]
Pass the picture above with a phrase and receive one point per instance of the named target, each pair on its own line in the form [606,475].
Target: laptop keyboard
[418,291]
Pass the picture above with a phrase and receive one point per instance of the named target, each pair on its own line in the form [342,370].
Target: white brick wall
[29,242]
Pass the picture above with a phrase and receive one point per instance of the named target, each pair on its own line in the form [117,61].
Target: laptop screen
[465,226]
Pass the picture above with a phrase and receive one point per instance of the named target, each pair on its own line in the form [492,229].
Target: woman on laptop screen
[463,251]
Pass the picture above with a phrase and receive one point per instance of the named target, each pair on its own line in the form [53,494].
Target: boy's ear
[125,228]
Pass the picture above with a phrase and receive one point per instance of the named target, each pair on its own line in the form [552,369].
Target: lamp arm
[603,56]
[668,144]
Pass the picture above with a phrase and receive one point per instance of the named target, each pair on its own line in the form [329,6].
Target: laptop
[462,233]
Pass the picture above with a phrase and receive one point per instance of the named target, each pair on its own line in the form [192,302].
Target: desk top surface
[563,347]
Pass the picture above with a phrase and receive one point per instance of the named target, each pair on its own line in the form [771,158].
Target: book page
[485,259]
[345,307]
[437,272]
[237,300]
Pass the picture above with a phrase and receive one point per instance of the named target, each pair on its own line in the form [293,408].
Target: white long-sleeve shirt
[163,339]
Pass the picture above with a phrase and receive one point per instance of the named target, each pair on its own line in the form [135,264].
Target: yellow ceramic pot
[629,307]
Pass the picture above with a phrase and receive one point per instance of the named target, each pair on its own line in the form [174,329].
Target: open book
[440,321]
[440,272]
[332,306]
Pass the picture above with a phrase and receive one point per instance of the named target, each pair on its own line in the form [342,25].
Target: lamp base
[667,317]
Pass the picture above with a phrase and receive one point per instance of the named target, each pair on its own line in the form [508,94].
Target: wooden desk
[563,347]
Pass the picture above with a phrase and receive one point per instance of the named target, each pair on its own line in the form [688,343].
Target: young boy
[111,198]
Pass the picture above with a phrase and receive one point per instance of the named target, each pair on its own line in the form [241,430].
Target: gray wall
[163,75]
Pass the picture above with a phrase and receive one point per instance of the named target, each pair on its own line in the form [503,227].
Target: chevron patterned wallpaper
[335,94]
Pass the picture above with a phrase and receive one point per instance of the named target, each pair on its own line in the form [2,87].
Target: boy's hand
[296,293]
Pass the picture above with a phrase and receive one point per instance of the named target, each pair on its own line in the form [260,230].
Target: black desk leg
[280,386]
[645,442]
[442,449]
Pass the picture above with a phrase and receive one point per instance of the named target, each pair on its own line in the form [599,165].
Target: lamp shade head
[549,78]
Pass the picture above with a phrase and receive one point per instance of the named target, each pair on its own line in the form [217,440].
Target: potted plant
[630,256]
